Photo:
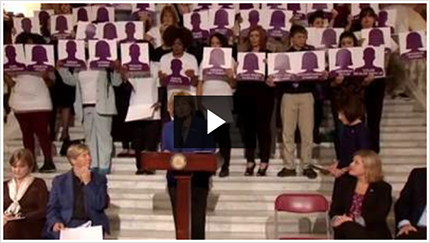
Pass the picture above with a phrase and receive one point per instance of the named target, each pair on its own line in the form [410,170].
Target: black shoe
[262,172]
[224,172]
[148,172]
[64,147]
[310,173]
[48,167]
[250,170]
[139,172]
[287,172]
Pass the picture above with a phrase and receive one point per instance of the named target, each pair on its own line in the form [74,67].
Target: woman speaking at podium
[187,133]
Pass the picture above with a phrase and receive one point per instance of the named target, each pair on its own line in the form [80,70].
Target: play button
[213,121]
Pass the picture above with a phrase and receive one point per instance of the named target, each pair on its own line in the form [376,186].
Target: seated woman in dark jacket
[25,198]
[361,201]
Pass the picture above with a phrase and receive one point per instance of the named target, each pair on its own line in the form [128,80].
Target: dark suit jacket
[61,201]
[412,200]
[375,208]
[197,141]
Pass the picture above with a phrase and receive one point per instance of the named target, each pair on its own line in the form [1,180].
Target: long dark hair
[348,34]
[221,38]
[367,11]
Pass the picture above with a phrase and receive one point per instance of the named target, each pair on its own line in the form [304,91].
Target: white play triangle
[214,121]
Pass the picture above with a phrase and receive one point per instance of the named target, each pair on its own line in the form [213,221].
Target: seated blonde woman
[362,200]
[25,198]
[77,196]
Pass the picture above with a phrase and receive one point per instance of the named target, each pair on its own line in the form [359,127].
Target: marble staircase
[242,207]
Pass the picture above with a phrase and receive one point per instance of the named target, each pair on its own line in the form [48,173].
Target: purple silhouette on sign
[109,31]
[44,21]
[293,7]
[198,33]
[71,61]
[43,18]
[273,5]
[309,62]
[216,58]
[61,24]
[329,38]
[221,18]
[250,63]
[413,42]
[364,5]
[39,55]
[282,64]
[343,61]
[135,64]
[277,22]
[382,19]
[12,64]
[82,15]
[90,32]
[102,53]
[246,6]
[26,25]
[226,5]
[176,79]
[369,67]
[203,6]
[102,15]
[319,6]
[142,6]
[221,21]
[376,37]
[130,30]
[253,18]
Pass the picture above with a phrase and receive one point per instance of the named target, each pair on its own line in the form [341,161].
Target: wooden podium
[186,163]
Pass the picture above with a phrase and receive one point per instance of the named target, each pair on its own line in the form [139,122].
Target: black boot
[65,146]
[48,167]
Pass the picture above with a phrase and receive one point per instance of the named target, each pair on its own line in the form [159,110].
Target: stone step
[237,164]
[328,152]
[390,118]
[393,140]
[237,168]
[388,114]
[170,235]
[236,182]
[388,133]
[259,222]
[405,121]
[403,129]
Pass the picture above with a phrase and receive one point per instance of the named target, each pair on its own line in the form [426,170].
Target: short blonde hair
[75,150]
[23,155]
[180,93]
[372,165]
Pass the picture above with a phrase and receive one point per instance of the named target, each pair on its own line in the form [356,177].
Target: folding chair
[302,203]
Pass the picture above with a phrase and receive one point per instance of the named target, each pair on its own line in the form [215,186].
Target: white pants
[98,138]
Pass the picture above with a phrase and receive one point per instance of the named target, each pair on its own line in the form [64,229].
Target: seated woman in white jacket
[95,107]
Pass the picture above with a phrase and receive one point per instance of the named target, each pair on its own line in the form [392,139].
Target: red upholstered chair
[302,203]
